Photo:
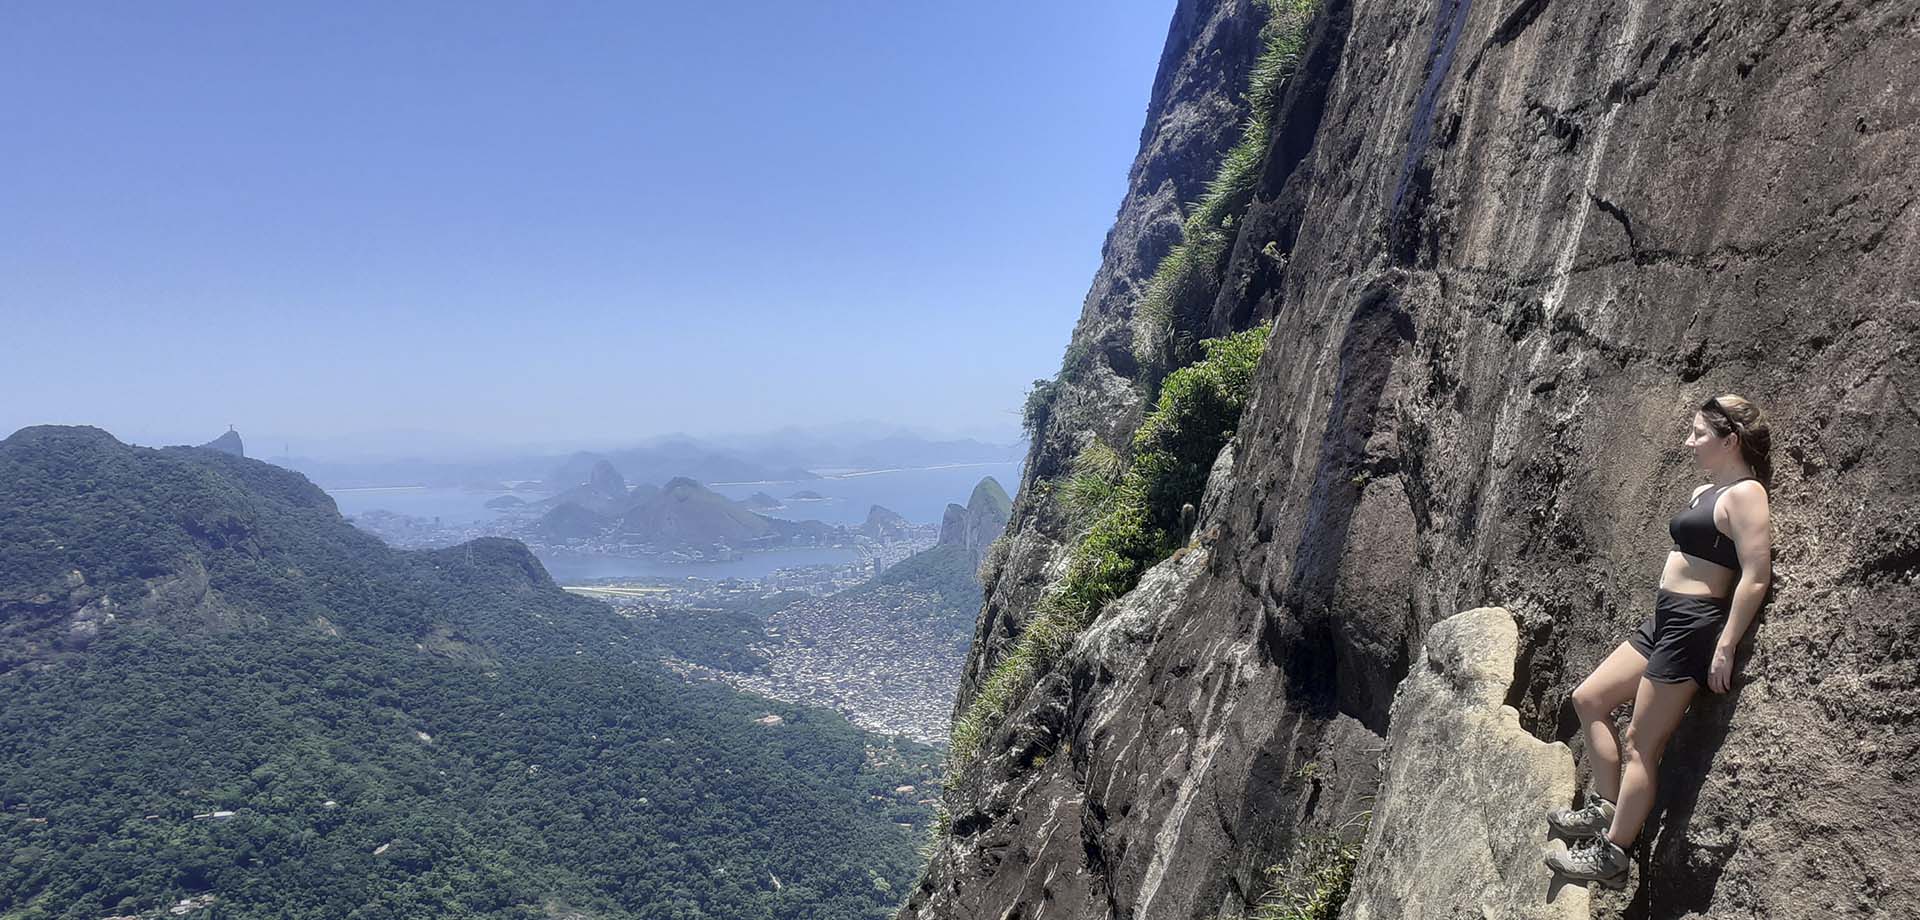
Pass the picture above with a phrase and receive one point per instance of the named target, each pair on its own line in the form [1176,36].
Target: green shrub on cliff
[1192,267]
[1138,521]
[1038,406]
[1094,479]
[1313,882]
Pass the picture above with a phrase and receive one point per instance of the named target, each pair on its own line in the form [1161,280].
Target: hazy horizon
[400,444]
[515,227]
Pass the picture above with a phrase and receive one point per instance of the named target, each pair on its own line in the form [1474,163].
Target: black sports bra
[1694,534]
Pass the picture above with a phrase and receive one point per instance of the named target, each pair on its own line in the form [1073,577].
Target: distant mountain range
[680,514]
[777,457]
[844,447]
[213,687]
[669,460]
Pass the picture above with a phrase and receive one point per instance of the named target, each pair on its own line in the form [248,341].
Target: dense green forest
[426,734]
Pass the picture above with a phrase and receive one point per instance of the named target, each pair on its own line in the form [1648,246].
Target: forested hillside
[217,689]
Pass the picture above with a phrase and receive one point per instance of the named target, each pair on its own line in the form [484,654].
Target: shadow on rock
[1682,872]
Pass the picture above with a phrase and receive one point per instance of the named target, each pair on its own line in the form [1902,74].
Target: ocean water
[920,494]
[450,505]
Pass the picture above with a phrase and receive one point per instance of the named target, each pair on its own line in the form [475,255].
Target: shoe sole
[1615,882]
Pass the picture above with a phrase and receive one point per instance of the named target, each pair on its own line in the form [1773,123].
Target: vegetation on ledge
[1137,517]
[1313,882]
[1192,268]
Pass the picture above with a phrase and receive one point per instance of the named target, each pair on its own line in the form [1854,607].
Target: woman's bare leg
[1657,708]
[1614,682]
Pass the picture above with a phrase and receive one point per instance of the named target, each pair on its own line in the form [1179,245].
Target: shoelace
[1591,853]
[1582,815]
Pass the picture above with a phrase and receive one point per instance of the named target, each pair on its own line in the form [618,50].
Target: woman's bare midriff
[1686,574]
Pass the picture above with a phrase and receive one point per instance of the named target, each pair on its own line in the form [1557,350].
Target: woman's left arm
[1747,515]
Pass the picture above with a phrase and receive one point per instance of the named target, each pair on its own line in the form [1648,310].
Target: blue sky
[553,223]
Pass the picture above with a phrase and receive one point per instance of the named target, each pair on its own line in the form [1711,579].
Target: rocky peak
[885,524]
[607,481]
[227,443]
[953,525]
[975,525]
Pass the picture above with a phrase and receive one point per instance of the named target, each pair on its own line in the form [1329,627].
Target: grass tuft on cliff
[1192,267]
[1313,882]
[1138,510]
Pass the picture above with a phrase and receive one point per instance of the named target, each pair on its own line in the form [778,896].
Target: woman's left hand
[1720,673]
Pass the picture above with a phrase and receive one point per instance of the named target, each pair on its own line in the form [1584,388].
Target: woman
[1714,580]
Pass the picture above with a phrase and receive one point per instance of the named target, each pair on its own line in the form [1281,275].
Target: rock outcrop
[1505,249]
[887,524]
[604,494]
[1459,819]
[607,481]
[975,525]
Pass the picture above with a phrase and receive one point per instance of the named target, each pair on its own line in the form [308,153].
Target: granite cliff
[975,525]
[1502,250]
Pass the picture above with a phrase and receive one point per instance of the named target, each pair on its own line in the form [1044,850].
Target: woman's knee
[1591,702]
[1642,747]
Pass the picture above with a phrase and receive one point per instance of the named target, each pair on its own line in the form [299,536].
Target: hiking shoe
[1595,859]
[1595,818]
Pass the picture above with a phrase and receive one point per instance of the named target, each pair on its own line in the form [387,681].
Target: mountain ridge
[216,688]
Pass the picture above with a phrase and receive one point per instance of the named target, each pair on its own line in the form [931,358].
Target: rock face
[975,525]
[1194,115]
[607,481]
[1459,821]
[1506,249]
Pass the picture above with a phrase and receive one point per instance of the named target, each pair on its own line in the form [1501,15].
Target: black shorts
[1679,637]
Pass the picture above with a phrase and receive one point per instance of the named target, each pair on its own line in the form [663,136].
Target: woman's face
[1708,449]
